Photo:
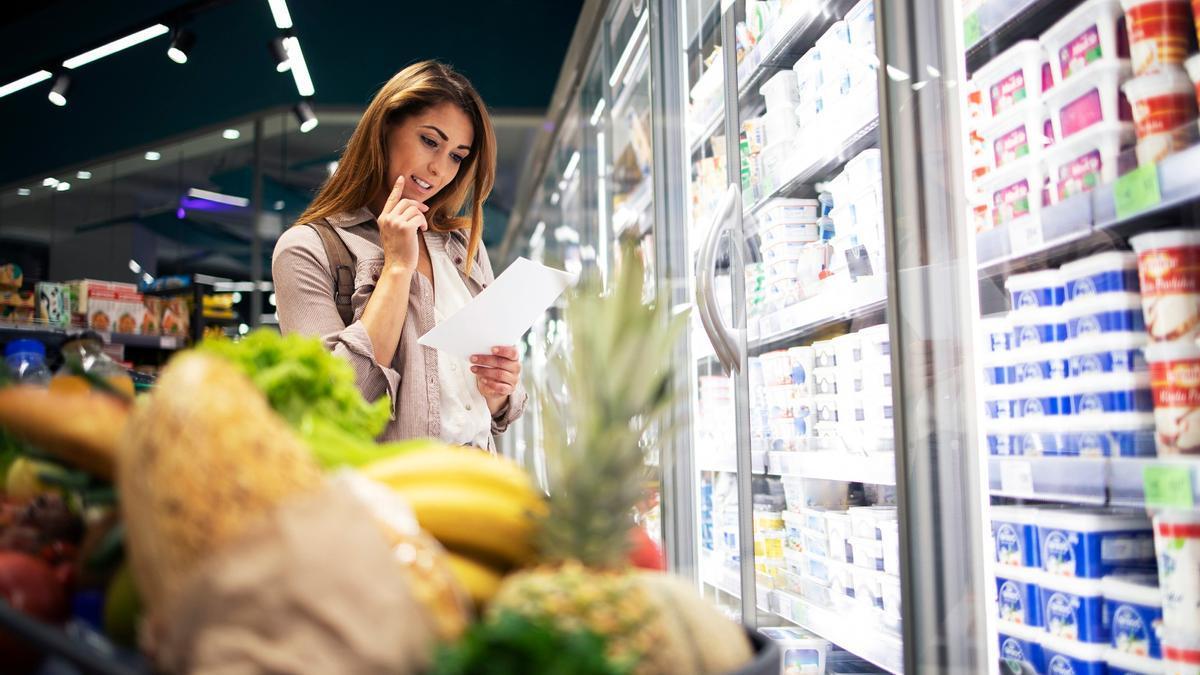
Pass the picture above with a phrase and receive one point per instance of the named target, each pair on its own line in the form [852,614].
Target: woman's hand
[399,223]
[496,375]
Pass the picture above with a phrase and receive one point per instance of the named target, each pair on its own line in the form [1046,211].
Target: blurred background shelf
[1115,481]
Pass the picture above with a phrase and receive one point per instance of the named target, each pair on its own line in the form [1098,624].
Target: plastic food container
[1164,107]
[1012,78]
[825,381]
[997,329]
[1040,362]
[788,211]
[1090,158]
[1104,314]
[1034,435]
[890,541]
[1091,33]
[1112,393]
[891,598]
[999,369]
[1036,289]
[1159,33]
[824,354]
[1017,598]
[838,525]
[1073,608]
[1038,326]
[1108,272]
[865,169]
[1181,652]
[794,532]
[1092,543]
[1133,612]
[997,441]
[815,568]
[1014,531]
[1175,383]
[1086,101]
[1077,658]
[1177,541]
[867,553]
[1112,435]
[860,21]
[1022,133]
[1041,399]
[1021,649]
[848,349]
[998,401]
[782,250]
[776,368]
[1106,353]
[849,379]
[801,360]
[789,233]
[1016,192]
[816,543]
[1122,663]
[1169,274]
[866,521]
[876,344]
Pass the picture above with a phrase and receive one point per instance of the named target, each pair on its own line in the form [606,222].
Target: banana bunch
[483,509]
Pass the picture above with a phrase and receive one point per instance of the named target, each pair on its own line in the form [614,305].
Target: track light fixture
[306,117]
[181,43]
[58,93]
[279,53]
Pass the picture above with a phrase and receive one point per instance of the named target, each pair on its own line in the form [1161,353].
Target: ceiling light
[279,10]
[147,279]
[231,134]
[630,47]
[572,164]
[304,115]
[554,198]
[63,186]
[116,46]
[134,266]
[304,83]
[279,53]
[231,200]
[332,167]
[279,205]
[27,81]
[50,182]
[83,175]
[595,119]
[237,297]
[271,300]
[243,329]
[181,44]
[153,155]
[58,93]
[24,192]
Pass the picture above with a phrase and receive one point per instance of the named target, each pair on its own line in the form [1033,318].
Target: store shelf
[1116,481]
[728,581]
[710,127]
[1088,222]
[875,469]
[727,462]
[56,336]
[832,305]
[999,24]
[866,135]
[858,633]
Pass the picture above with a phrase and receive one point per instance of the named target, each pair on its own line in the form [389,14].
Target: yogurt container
[1181,652]
[996,436]
[890,541]
[1040,362]
[838,526]
[997,332]
[1073,608]
[865,168]
[891,600]
[1012,78]
[1017,596]
[1106,353]
[1016,192]
[866,521]
[1112,393]
[1122,663]
[1133,613]
[794,532]
[1041,399]
[788,211]
[1084,102]
[1177,542]
[1159,33]
[782,250]
[848,349]
[825,381]
[1112,435]
[1087,159]
[1035,289]
[1108,272]
[800,361]
[824,354]
[798,232]
[1169,274]
[1091,33]
[868,587]
[999,369]
[1038,326]
[776,368]
[1067,657]
[1164,108]
[1092,543]
[1014,532]
[1175,382]
[1038,436]
[867,553]
[1019,134]
[1020,649]
[876,344]
[1104,314]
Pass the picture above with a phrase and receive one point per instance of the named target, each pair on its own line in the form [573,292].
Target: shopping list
[502,312]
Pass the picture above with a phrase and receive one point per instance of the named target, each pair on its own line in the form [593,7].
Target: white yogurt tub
[825,409]
[1093,543]
[1104,314]
[996,435]
[1123,663]
[1038,326]
[876,344]
[1133,613]
[848,348]
[1164,108]
[1108,272]
[891,598]
[1014,533]
[1181,651]
[1021,648]
[783,250]
[1024,132]
[825,381]
[1039,436]
[997,330]
[798,232]
[1086,101]
[824,354]
[1068,657]
[837,524]
[867,553]
[1177,541]
[1111,393]
[1091,33]
[849,379]
[1040,362]
[1016,192]
[1090,158]
[1175,382]
[1018,600]
[1169,272]
[1109,435]
[1035,289]
[866,521]
[788,211]
[865,169]
[1073,608]
[1012,78]
[868,587]
[890,540]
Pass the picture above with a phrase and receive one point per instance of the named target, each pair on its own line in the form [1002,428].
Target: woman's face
[428,149]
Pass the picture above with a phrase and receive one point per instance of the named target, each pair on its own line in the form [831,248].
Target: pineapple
[617,388]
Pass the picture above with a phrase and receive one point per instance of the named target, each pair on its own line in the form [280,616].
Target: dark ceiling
[512,51]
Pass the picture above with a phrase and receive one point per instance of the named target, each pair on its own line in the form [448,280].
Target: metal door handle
[725,340]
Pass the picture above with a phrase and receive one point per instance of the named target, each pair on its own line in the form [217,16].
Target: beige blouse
[304,298]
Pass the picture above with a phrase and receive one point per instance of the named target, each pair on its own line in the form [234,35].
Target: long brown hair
[362,170]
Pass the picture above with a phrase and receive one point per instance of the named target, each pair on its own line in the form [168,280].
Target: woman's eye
[457,159]
[429,141]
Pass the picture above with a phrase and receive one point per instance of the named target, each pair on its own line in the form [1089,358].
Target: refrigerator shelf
[715,120]
[1115,481]
[999,24]
[875,469]
[727,462]
[55,335]
[791,325]
[1088,222]
[727,580]
[854,631]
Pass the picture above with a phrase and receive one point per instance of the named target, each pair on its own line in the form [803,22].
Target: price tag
[1016,477]
[1168,487]
[1137,190]
[1025,234]
[972,30]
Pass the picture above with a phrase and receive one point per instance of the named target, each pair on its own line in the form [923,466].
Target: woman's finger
[496,374]
[501,363]
[505,352]
[394,197]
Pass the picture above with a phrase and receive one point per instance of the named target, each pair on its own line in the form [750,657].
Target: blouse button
[458,261]
[468,407]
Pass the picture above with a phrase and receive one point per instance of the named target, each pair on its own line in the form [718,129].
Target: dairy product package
[1014,532]
[1108,272]
[1040,362]
[1159,33]
[1038,436]
[997,332]
[1017,192]
[1104,313]
[890,541]
[802,651]
[1090,158]
[1017,596]
[793,529]
[1124,663]
[1112,393]
[868,587]
[1133,612]
[1091,33]
[824,354]
[1019,134]
[867,553]
[1181,652]
[1020,648]
[1177,542]
[1076,658]
[1175,382]
[1169,275]
[1107,353]
[1092,543]
[848,349]
[866,521]
[1109,435]
[1036,289]
[1073,608]
[1095,99]
[1164,110]
[1038,326]
[1012,78]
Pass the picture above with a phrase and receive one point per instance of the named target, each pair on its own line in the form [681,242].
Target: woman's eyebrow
[443,135]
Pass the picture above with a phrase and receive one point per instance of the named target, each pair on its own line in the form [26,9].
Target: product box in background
[176,317]
[11,276]
[53,304]
[16,306]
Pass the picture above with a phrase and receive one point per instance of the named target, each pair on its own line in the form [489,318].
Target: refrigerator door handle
[724,339]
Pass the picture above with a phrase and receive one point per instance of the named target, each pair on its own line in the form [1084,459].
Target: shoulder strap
[341,264]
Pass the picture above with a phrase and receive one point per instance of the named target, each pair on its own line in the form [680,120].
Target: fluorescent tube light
[231,200]
[116,46]
[304,83]
[27,81]
[279,10]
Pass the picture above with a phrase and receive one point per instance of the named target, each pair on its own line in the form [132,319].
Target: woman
[423,147]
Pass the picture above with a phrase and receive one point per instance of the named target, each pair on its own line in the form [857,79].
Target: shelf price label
[972,29]
[1016,478]
[1168,487]
[1137,190]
